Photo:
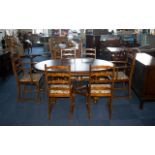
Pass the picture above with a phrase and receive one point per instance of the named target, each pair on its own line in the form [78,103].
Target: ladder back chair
[89,53]
[58,85]
[101,84]
[123,74]
[68,53]
[25,77]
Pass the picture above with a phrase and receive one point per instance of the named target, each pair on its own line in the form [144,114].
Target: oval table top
[78,65]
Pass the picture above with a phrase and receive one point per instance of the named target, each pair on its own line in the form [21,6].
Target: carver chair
[123,74]
[25,79]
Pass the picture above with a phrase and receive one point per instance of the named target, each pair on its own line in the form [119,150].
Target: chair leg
[129,89]
[71,104]
[49,108]
[88,106]
[38,91]
[110,107]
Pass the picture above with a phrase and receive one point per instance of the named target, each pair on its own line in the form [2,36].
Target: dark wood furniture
[89,41]
[144,78]
[117,53]
[5,64]
[150,51]
[79,66]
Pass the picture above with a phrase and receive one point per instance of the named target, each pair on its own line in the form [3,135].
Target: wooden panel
[150,82]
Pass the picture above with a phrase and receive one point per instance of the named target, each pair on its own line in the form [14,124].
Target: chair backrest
[131,60]
[101,79]
[68,53]
[58,78]
[126,67]
[21,69]
[89,53]
[56,44]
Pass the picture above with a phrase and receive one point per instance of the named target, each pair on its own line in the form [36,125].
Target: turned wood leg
[71,104]
[110,107]
[38,91]
[88,105]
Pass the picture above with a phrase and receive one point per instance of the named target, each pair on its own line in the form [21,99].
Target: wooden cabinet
[89,41]
[5,64]
[144,78]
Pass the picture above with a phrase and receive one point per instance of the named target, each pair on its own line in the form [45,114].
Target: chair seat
[80,78]
[120,75]
[68,54]
[89,54]
[35,77]
[59,89]
[96,88]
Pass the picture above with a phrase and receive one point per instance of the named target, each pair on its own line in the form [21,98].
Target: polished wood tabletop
[79,65]
[115,49]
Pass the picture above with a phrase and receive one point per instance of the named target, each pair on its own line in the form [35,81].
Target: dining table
[79,66]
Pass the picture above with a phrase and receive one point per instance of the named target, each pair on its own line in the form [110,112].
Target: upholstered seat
[59,89]
[35,77]
[100,89]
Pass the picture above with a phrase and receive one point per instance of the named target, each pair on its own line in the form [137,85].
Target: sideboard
[143,82]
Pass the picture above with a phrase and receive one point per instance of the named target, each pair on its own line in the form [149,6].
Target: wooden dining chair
[68,53]
[101,84]
[24,78]
[89,53]
[123,74]
[58,85]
